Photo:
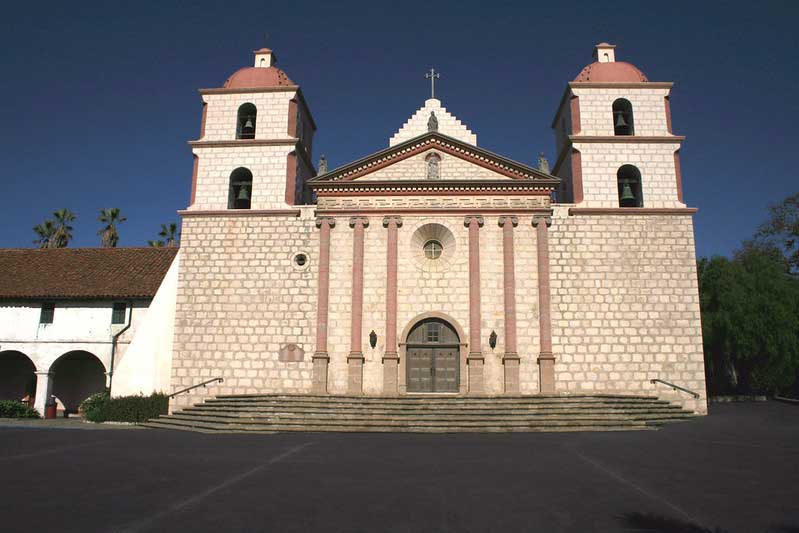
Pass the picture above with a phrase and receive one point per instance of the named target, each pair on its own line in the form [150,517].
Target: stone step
[200,425]
[443,414]
[433,403]
[445,420]
[402,409]
[433,397]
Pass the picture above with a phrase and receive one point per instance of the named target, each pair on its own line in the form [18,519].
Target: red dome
[612,72]
[257,77]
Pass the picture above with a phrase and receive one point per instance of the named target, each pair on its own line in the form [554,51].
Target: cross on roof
[432,76]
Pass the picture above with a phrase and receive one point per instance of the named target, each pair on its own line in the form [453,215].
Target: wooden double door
[433,357]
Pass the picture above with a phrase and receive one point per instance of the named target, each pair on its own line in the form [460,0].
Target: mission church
[433,266]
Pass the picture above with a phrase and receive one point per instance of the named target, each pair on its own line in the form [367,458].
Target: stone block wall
[625,305]
[241,297]
[272,118]
[655,161]
[268,165]
[596,109]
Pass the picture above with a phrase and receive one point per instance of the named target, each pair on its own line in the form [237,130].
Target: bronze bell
[627,195]
[248,126]
[244,193]
[620,122]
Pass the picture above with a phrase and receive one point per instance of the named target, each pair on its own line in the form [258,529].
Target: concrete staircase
[271,413]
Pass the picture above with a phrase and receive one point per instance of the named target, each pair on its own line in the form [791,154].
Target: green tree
[63,229]
[169,233]
[45,233]
[781,230]
[156,244]
[750,323]
[109,234]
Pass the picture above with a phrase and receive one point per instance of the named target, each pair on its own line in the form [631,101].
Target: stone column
[321,359]
[390,356]
[546,360]
[44,388]
[475,359]
[355,357]
[510,360]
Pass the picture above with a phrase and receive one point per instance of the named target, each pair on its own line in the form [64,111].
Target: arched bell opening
[76,376]
[17,376]
[432,357]
[623,123]
[240,191]
[245,122]
[629,185]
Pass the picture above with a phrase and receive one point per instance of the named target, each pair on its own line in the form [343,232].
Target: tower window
[118,313]
[245,123]
[623,117]
[629,182]
[433,162]
[240,192]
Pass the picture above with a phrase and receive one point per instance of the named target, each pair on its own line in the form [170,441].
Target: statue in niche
[432,122]
[433,167]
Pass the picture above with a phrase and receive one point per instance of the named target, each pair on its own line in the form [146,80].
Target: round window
[300,259]
[432,249]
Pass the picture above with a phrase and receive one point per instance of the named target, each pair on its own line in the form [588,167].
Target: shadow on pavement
[653,522]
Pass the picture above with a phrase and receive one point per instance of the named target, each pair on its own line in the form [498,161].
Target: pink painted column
[321,359]
[546,360]
[510,360]
[390,356]
[475,360]
[355,358]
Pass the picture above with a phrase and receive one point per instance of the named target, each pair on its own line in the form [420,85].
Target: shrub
[100,408]
[17,409]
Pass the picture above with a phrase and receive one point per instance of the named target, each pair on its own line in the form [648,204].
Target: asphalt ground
[734,470]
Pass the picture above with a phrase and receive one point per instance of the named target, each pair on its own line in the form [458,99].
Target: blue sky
[98,100]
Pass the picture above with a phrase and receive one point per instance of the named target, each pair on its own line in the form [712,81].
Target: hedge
[17,409]
[100,408]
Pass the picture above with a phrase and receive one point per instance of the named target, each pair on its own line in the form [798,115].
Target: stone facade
[575,297]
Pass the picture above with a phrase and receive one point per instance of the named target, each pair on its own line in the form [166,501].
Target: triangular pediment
[459,161]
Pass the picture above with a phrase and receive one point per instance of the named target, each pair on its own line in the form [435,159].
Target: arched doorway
[76,376]
[17,376]
[433,357]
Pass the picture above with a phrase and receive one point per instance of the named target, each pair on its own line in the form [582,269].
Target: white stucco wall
[145,366]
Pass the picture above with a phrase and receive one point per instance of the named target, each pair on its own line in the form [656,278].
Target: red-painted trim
[243,142]
[293,117]
[475,339]
[678,174]
[626,139]
[291,178]
[323,285]
[509,285]
[241,213]
[668,113]
[546,379]
[391,287]
[577,176]
[574,106]
[202,121]
[412,192]
[278,89]
[434,211]
[356,320]
[195,169]
[654,211]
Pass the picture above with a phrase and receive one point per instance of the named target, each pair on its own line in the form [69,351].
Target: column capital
[330,221]
[505,219]
[537,219]
[393,218]
[468,219]
[363,221]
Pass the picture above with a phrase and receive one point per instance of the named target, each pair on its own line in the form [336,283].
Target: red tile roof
[83,273]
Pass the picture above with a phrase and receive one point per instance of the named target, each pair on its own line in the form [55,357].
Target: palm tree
[45,234]
[156,244]
[111,217]
[170,234]
[63,231]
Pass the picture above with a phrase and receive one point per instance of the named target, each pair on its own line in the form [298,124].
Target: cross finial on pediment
[432,76]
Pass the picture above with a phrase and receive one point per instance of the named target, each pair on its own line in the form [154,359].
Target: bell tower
[256,138]
[614,139]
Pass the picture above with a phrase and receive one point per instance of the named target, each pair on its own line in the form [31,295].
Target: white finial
[432,76]
[604,53]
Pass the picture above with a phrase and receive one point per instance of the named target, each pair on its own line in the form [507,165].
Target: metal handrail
[675,387]
[203,384]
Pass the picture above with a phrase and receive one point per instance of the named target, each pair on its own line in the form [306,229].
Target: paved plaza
[735,470]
